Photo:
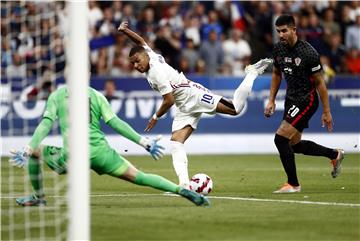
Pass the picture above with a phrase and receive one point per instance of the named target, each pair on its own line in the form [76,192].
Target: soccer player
[300,64]
[103,158]
[191,99]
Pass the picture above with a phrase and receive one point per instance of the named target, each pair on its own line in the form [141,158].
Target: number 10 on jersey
[207,98]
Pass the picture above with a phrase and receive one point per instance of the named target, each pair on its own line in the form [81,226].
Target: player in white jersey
[191,99]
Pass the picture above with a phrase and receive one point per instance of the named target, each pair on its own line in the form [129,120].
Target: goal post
[78,82]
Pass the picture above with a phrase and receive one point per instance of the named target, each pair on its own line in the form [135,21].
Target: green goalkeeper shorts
[104,160]
[55,158]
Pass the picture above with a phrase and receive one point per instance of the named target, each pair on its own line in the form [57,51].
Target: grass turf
[123,211]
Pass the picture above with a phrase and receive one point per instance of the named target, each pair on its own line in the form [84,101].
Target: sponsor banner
[20,118]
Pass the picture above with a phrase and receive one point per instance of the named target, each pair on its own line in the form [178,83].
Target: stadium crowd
[196,37]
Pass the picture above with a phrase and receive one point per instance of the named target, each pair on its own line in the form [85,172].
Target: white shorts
[199,100]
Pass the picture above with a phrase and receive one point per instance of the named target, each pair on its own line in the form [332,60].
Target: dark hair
[136,49]
[285,19]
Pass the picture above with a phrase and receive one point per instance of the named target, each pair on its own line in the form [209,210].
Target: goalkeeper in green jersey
[103,158]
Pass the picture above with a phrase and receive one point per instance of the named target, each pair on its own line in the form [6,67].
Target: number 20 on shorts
[293,111]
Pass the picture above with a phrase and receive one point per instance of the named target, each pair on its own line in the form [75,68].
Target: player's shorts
[55,158]
[103,160]
[199,100]
[298,114]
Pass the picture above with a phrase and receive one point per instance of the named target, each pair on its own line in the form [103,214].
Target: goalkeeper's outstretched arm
[137,39]
[128,132]
[41,131]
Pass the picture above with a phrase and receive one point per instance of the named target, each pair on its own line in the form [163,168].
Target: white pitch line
[221,198]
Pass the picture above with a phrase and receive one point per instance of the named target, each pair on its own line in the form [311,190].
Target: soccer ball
[201,183]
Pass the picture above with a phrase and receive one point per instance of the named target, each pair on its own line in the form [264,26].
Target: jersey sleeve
[159,79]
[51,107]
[313,61]
[275,57]
[105,108]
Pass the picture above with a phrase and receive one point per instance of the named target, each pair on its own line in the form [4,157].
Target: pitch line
[219,197]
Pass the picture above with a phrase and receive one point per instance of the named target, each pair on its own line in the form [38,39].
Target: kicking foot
[337,163]
[287,188]
[32,200]
[194,197]
[259,67]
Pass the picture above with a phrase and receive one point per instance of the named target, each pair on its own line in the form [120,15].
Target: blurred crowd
[196,37]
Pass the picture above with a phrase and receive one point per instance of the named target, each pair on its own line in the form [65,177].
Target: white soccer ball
[201,183]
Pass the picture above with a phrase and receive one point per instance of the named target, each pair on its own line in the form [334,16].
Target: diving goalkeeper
[103,158]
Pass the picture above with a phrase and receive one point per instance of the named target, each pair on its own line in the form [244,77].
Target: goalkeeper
[103,158]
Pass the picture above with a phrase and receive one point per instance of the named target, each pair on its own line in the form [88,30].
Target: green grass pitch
[123,211]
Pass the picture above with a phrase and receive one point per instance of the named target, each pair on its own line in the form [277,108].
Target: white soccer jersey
[165,79]
[191,99]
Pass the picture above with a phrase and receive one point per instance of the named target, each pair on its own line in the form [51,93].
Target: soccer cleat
[287,188]
[194,197]
[259,67]
[32,200]
[337,163]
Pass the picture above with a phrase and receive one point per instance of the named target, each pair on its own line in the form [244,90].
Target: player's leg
[128,172]
[311,148]
[55,158]
[179,156]
[183,126]
[244,89]
[36,180]
[282,141]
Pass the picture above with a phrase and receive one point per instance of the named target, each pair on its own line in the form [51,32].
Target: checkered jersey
[297,64]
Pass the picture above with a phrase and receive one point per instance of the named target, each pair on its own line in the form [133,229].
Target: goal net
[33,62]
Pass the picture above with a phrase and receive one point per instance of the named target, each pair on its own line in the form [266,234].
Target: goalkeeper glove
[151,145]
[20,158]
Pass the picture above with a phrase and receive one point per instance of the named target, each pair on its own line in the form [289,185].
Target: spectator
[190,54]
[315,32]
[128,15]
[168,44]
[147,24]
[329,24]
[17,68]
[212,25]
[353,61]
[108,25]
[110,90]
[336,52]
[95,14]
[212,53]
[352,35]
[345,20]
[191,31]
[237,52]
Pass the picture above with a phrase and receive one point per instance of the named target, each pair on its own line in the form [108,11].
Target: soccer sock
[156,181]
[287,157]
[35,174]
[180,162]
[243,91]
[313,149]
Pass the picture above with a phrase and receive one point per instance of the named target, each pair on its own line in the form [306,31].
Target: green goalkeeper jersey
[57,108]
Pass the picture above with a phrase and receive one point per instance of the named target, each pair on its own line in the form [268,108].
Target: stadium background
[33,65]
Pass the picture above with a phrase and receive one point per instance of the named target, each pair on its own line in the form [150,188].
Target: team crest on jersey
[287,60]
[297,61]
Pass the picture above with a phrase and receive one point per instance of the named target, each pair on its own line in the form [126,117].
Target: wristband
[155,117]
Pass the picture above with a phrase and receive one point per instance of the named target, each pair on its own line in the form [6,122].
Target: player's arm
[168,101]
[124,28]
[20,157]
[326,118]
[274,88]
